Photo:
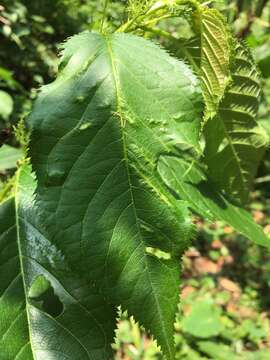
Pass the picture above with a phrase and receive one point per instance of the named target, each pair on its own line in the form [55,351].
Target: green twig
[151,11]
[148,17]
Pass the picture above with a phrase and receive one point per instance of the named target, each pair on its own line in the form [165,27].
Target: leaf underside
[214,58]
[84,230]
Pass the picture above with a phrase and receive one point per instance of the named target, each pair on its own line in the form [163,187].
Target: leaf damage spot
[43,295]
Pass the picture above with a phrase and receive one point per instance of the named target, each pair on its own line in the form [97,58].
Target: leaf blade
[77,330]
[192,185]
[215,57]
[86,161]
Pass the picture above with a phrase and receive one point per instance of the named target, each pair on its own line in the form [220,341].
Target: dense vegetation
[92,174]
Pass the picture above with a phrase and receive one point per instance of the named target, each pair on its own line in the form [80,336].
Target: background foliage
[226,284]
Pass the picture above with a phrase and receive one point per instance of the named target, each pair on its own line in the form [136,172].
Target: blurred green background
[225,308]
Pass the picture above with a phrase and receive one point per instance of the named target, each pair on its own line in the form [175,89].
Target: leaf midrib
[21,256]
[125,153]
[21,264]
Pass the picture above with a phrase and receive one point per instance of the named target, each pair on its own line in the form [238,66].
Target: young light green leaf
[97,133]
[215,57]
[72,321]
[190,183]
[235,143]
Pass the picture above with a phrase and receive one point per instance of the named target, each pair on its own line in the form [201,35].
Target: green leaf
[257,355]
[13,325]
[190,183]
[97,133]
[215,57]
[265,123]
[73,321]
[231,89]
[235,143]
[262,57]
[9,157]
[6,104]
[217,351]
[6,76]
[203,321]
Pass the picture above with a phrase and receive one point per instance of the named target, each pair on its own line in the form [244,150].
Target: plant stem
[154,9]
[128,25]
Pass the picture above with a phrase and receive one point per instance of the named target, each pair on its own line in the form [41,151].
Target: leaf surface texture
[97,133]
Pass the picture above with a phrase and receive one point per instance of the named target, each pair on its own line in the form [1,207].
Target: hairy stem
[148,17]
[128,26]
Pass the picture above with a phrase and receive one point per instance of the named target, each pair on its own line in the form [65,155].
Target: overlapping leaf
[97,133]
[235,142]
[190,183]
[214,59]
[48,309]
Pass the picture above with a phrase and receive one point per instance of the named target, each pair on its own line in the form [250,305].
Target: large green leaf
[97,132]
[190,183]
[235,143]
[48,309]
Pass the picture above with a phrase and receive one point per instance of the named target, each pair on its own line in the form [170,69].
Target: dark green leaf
[190,183]
[32,329]
[235,143]
[97,133]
